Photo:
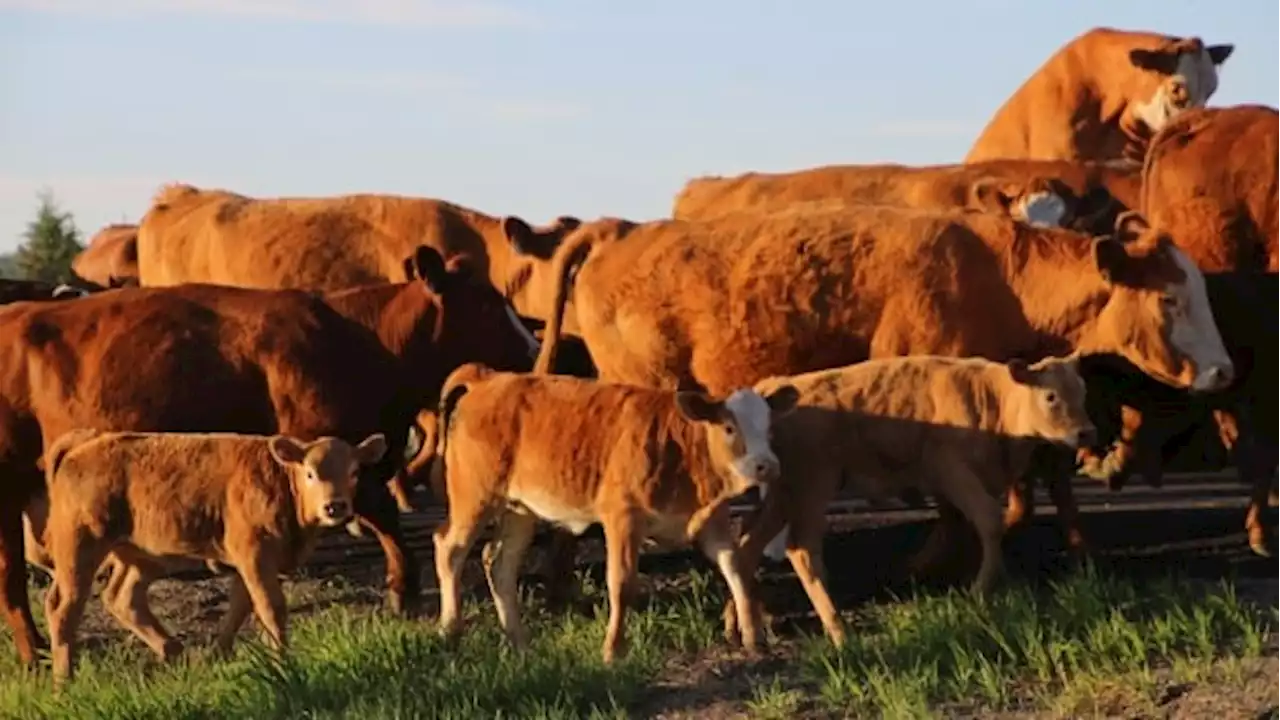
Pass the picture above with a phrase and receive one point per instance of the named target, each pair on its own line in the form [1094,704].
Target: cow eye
[1051,397]
[1169,302]
[728,429]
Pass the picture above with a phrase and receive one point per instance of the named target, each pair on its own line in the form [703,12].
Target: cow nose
[766,470]
[337,509]
[1217,377]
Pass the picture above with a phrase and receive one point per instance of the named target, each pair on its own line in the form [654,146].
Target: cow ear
[1161,60]
[782,400]
[1219,53]
[408,269]
[1110,258]
[1019,371]
[987,196]
[371,449]
[566,224]
[519,234]
[286,450]
[430,267]
[697,407]
[1130,224]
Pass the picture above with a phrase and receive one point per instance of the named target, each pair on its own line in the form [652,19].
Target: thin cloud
[391,83]
[399,13]
[538,110]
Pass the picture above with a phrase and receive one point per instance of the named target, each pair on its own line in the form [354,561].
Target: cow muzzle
[1214,378]
[336,512]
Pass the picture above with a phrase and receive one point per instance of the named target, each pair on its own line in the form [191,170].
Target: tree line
[49,244]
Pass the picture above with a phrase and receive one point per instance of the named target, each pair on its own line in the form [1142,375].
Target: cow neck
[392,312]
[709,482]
[1055,278]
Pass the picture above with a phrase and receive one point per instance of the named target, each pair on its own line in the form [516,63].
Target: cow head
[1178,74]
[1048,401]
[739,431]
[1047,202]
[474,321]
[1040,203]
[324,474]
[1157,314]
[527,276]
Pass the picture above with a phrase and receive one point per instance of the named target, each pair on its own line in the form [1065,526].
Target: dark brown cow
[1081,196]
[1101,96]
[722,304]
[1141,415]
[205,358]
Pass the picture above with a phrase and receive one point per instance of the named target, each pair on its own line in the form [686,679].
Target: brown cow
[1082,196]
[111,257]
[1210,181]
[252,502]
[724,303]
[204,358]
[1139,417]
[961,428]
[642,463]
[1101,96]
[330,243]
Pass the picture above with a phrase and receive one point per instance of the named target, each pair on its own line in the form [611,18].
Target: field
[1172,618]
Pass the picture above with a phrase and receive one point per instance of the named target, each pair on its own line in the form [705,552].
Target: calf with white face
[644,463]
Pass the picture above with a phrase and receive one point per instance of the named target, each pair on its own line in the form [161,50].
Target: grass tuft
[1020,648]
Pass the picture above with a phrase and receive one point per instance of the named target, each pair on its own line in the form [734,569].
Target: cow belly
[552,509]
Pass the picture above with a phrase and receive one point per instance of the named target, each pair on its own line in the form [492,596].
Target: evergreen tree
[50,243]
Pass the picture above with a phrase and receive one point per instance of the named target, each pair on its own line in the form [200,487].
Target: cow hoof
[171,651]
[1260,547]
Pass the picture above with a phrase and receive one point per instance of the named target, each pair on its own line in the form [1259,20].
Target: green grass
[358,663]
[1087,641]
[1074,648]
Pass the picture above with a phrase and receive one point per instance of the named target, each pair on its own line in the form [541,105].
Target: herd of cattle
[1098,274]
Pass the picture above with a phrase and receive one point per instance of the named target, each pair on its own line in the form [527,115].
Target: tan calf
[248,501]
[960,428]
[641,462]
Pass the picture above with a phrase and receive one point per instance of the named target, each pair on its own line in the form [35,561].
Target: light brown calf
[252,502]
[641,462]
[960,428]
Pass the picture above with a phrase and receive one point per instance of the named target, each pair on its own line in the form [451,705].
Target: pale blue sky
[541,109]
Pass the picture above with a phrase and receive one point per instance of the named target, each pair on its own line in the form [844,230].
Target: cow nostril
[335,509]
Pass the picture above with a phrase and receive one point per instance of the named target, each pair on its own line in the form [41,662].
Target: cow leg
[717,542]
[1238,435]
[1064,499]
[262,580]
[16,604]
[502,568]
[939,546]
[557,569]
[126,598]
[75,564]
[377,510]
[1021,505]
[622,541]
[239,605]
[804,550]
[759,532]
[965,490]
[453,539]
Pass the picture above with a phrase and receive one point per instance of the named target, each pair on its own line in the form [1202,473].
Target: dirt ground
[1202,545]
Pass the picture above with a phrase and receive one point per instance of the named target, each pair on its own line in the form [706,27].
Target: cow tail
[569,257]
[58,449]
[455,386]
